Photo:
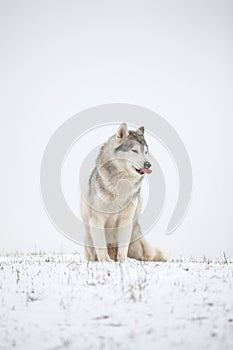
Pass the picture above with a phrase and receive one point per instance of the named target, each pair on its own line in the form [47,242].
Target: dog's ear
[140,131]
[122,132]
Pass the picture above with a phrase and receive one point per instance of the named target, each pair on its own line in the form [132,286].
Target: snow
[53,302]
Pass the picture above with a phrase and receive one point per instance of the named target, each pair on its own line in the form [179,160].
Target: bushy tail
[142,250]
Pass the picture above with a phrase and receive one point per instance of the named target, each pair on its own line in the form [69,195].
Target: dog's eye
[146,152]
[134,150]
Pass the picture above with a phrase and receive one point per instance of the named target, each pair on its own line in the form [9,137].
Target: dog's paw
[121,257]
[105,259]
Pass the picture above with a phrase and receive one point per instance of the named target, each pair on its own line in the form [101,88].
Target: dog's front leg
[99,240]
[125,229]
[124,237]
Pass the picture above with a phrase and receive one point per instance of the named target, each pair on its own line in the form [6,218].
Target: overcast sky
[174,57]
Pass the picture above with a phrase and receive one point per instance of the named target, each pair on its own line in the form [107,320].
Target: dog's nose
[147,165]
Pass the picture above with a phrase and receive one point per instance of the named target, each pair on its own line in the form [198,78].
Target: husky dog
[111,205]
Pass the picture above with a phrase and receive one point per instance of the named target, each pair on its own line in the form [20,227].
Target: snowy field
[61,302]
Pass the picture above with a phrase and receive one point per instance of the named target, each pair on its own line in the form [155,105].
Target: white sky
[174,57]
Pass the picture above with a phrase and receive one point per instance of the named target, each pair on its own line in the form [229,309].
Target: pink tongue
[146,171]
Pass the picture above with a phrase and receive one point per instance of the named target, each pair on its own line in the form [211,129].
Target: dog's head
[131,148]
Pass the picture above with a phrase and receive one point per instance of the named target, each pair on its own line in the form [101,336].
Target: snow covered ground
[53,302]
